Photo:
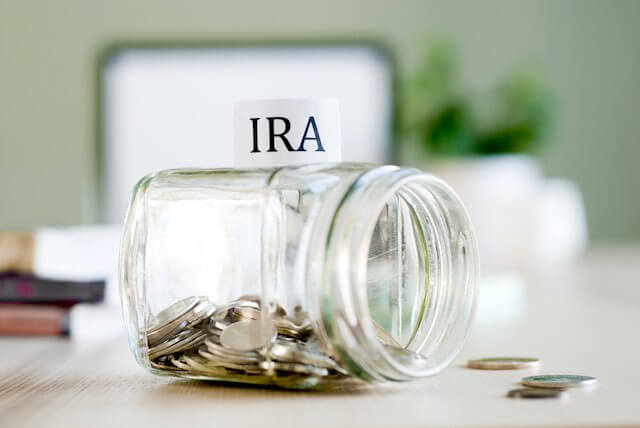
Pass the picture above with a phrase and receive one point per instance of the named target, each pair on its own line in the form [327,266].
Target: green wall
[589,50]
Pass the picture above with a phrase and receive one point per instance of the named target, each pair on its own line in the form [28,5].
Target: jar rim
[346,316]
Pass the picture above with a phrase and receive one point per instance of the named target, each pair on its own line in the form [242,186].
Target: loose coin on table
[536,393]
[504,363]
[558,381]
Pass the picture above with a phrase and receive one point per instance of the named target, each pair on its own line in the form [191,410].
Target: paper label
[286,132]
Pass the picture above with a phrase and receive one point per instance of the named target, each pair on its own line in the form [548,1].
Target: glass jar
[296,275]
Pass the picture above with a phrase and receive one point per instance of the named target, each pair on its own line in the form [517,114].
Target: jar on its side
[296,275]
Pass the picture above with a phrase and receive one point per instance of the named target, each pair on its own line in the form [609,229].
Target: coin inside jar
[201,313]
[170,319]
[293,368]
[231,354]
[247,367]
[239,341]
[288,352]
[248,335]
[504,363]
[185,340]
[290,328]
[246,312]
[230,310]
[174,311]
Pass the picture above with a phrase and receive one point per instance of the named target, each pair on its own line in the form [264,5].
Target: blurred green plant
[434,109]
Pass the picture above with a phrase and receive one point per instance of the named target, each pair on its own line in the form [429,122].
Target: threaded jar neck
[394,264]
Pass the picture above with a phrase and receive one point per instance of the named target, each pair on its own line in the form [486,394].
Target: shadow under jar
[297,276]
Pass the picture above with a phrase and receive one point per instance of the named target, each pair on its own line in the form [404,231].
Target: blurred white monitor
[170,107]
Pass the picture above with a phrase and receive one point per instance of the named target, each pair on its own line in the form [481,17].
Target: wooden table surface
[583,320]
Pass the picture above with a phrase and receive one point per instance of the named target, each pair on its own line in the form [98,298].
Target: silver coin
[285,338]
[250,298]
[288,352]
[201,312]
[302,324]
[174,311]
[215,327]
[185,321]
[558,381]
[185,315]
[180,346]
[288,327]
[275,309]
[165,333]
[187,339]
[181,336]
[537,393]
[194,343]
[248,335]
[504,363]
[231,354]
[201,365]
[240,313]
[164,366]
[226,311]
[293,368]
[188,321]
[247,367]
[179,362]
[214,333]
[170,319]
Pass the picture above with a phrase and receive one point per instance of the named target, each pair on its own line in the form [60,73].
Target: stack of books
[30,305]
[33,305]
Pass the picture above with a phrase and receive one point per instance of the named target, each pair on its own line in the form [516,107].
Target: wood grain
[582,321]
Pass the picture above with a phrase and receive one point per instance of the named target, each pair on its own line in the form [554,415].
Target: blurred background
[584,52]
[528,109]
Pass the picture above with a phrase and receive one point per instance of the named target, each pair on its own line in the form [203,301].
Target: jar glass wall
[326,270]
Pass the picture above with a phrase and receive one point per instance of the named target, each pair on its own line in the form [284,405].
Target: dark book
[19,288]
[33,320]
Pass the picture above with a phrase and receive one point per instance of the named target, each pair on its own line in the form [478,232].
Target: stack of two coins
[539,386]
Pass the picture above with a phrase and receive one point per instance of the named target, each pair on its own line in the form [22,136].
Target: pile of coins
[540,386]
[242,342]
[238,342]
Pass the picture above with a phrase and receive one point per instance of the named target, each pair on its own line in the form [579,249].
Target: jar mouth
[399,277]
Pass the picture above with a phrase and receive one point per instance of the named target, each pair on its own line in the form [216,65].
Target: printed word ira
[283,126]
